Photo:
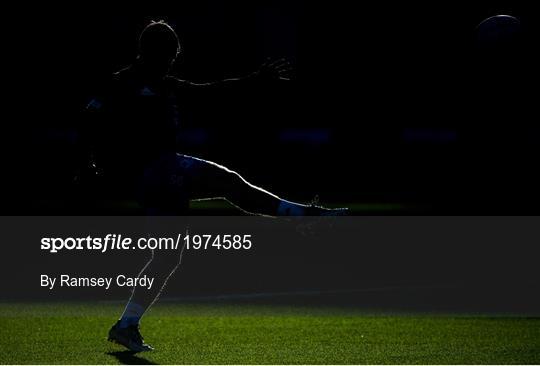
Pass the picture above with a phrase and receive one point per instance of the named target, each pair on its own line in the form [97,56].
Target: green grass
[264,334]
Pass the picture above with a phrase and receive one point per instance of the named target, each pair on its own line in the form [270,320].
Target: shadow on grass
[130,358]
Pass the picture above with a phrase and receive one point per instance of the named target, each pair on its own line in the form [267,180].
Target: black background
[390,102]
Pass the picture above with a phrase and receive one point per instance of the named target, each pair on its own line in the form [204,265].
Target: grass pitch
[263,334]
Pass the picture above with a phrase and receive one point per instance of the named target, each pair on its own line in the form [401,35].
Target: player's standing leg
[161,266]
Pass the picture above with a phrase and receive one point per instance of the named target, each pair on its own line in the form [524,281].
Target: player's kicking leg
[172,180]
[205,180]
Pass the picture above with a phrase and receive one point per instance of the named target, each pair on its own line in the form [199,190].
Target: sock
[287,208]
[132,315]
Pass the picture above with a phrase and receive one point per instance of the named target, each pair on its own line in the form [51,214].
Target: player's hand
[275,70]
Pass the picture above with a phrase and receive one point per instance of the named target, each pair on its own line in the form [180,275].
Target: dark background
[391,104]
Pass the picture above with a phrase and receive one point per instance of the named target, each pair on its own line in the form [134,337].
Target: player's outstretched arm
[274,70]
[271,70]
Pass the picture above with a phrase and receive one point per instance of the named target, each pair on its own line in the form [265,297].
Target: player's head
[158,46]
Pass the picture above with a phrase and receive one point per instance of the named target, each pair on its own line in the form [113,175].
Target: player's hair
[159,37]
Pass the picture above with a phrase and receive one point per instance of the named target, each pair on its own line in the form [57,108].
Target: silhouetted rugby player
[135,120]
[134,127]
[133,143]
[142,102]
